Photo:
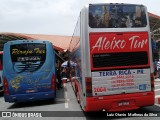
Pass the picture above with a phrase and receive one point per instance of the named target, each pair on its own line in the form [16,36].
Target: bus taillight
[152,81]
[6,90]
[88,81]
[0,65]
[53,83]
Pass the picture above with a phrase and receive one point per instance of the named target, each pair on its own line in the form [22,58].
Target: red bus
[111,46]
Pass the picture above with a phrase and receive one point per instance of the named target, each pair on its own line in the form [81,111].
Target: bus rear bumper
[30,97]
[119,103]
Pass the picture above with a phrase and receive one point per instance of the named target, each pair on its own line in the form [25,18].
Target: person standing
[64,74]
[58,77]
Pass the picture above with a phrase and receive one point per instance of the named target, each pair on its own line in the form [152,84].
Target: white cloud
[38,16]
[49,16]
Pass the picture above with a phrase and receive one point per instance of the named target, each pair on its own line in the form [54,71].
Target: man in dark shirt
[58,77]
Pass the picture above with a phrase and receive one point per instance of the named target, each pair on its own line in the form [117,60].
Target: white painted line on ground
[65,96]
[66,105]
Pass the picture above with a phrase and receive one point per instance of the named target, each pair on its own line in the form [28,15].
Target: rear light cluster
[53,82]
[88,81]
[0,65]
[6,90]
[152,81]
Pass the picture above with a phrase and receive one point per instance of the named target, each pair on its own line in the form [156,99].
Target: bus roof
[29,41]
[115,4]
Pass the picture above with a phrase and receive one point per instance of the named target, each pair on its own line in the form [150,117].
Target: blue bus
[29,71]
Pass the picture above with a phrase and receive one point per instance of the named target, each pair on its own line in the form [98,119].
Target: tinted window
[120,59]
[28,57]
[117,16]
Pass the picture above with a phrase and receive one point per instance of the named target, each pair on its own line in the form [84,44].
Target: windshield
[117,16]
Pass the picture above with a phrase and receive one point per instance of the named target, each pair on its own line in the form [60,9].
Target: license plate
[123,103]
[30,91]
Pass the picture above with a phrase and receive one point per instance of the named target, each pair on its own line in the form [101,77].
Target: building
[60,43]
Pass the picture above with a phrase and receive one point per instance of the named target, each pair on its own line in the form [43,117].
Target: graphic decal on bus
[27,52]
[112,41]
[132,80]
[15,82]
[29,80]
[133,43]
[117,16]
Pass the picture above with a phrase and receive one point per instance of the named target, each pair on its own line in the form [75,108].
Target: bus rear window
[117,16]
[30,52]
[28,57]
[119,59]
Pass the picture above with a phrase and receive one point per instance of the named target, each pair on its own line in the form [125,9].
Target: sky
[52,17]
